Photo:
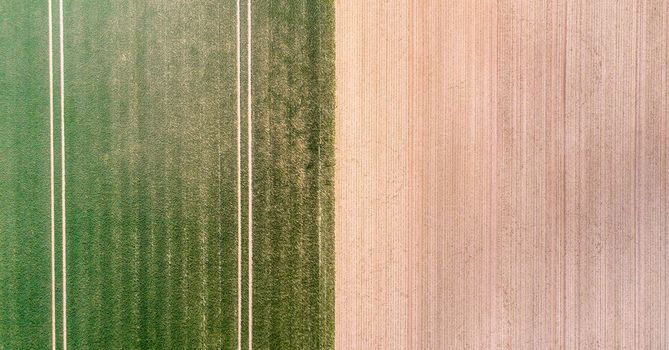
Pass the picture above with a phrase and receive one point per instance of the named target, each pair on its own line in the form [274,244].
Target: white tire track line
[62,173]
[53,200]
[250,167]
[239,185]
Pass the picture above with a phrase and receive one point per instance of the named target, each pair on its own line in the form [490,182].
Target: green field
[152,164]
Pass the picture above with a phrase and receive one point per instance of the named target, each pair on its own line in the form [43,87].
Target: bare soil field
[501,174]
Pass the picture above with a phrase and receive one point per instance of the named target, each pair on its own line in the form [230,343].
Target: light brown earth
[502,172]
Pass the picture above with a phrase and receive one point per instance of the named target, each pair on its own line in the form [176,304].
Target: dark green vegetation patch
[151,150]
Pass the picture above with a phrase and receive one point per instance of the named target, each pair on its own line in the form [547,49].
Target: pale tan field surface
[502,174]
